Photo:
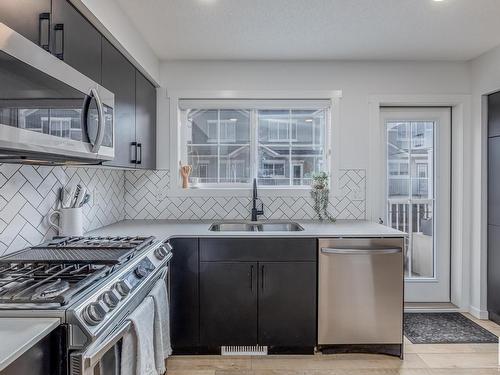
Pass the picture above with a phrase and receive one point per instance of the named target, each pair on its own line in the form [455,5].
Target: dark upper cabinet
[118,76]
[145,122]
[494,180]
[75,40]
[29,18]
[494,114]
[184,294]
[228,303]
[287,304]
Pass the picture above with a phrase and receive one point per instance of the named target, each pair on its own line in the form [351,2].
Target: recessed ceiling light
[309,120]
[233,119]
[438,1]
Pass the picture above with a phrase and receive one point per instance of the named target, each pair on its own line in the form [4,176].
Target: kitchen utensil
[86,199]
[77,191]
[80,197]
[68,195]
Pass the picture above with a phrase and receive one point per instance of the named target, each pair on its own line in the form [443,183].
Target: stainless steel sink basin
[256,226]
[240,226]
[288,226]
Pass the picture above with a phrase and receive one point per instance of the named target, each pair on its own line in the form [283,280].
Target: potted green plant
[320,194]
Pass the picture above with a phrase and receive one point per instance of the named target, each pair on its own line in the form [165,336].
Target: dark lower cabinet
[75,40]
[493,273]
[287,304]
[29,18]
[184,294]
[228,303]
[232,293]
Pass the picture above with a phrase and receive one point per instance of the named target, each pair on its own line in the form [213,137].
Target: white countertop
[165,229]
[17,335]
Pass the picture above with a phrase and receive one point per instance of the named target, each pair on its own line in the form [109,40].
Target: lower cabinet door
[287,304]
[228,303]
[184,294]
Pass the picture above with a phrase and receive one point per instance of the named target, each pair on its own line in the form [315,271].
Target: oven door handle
[94,354]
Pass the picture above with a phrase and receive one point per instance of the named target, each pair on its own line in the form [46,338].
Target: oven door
[48,110]
[103,357]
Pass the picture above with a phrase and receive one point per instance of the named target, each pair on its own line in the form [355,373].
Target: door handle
[44,32]
[262,277]
[251,279]
[374,251]
[139,146]
[59,47]
[134,145]
[100,121]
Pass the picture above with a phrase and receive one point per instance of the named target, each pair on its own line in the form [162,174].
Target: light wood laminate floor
[435,359]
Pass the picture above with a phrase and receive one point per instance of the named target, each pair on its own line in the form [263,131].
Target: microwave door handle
[100,121]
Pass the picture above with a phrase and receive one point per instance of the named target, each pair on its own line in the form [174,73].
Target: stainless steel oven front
[103,356]
[48,110]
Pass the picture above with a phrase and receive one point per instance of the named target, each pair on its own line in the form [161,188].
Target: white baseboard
[478,313]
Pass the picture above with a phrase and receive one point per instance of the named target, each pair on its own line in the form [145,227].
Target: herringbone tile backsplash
[145,198]
[29,193]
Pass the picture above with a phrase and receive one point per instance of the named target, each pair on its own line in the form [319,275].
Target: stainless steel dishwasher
[360,298]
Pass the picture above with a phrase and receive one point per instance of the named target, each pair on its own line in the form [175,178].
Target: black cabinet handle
[134,152]
[262,278]
[44,30]
[139,146]
[59,40]
[251,279]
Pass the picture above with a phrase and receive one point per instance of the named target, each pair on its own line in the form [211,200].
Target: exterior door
[417,159]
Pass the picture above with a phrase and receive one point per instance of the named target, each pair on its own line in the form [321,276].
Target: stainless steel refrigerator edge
[361,286]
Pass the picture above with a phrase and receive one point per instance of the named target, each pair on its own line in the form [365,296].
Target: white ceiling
[317,29]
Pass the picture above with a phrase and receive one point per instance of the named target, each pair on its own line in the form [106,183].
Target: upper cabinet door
[75,40]
[118,76]
[494,115]
[145,122]
[29,18]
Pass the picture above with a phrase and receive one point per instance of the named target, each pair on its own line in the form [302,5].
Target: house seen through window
[279,147]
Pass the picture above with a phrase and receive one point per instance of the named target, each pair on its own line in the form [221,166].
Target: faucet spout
[255,212]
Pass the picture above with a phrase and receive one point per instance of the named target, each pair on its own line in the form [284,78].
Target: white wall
[112,21]
[357,80]
[485,80]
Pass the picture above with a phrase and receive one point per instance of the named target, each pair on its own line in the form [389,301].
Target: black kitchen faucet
[255,211]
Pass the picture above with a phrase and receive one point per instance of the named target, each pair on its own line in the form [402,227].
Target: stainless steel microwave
[49,112]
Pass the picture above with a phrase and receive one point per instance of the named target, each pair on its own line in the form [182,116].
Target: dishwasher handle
[365,251]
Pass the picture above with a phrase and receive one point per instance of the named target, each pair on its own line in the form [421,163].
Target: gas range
[91,283]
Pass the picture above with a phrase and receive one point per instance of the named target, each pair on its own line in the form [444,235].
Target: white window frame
[170,158]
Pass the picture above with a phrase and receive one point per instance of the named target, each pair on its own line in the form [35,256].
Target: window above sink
[229,142]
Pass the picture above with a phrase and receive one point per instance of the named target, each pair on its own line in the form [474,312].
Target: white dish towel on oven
[138,356]
[163,347]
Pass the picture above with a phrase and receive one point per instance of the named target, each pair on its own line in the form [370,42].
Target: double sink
[256,226]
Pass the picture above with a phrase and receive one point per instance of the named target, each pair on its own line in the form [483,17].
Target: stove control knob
[123,288]
[161,253]
[110,299]
[141,272]
[94,314]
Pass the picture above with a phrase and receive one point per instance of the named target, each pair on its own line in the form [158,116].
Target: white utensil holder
[70,221]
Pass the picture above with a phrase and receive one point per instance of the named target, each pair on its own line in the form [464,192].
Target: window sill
[240,192]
